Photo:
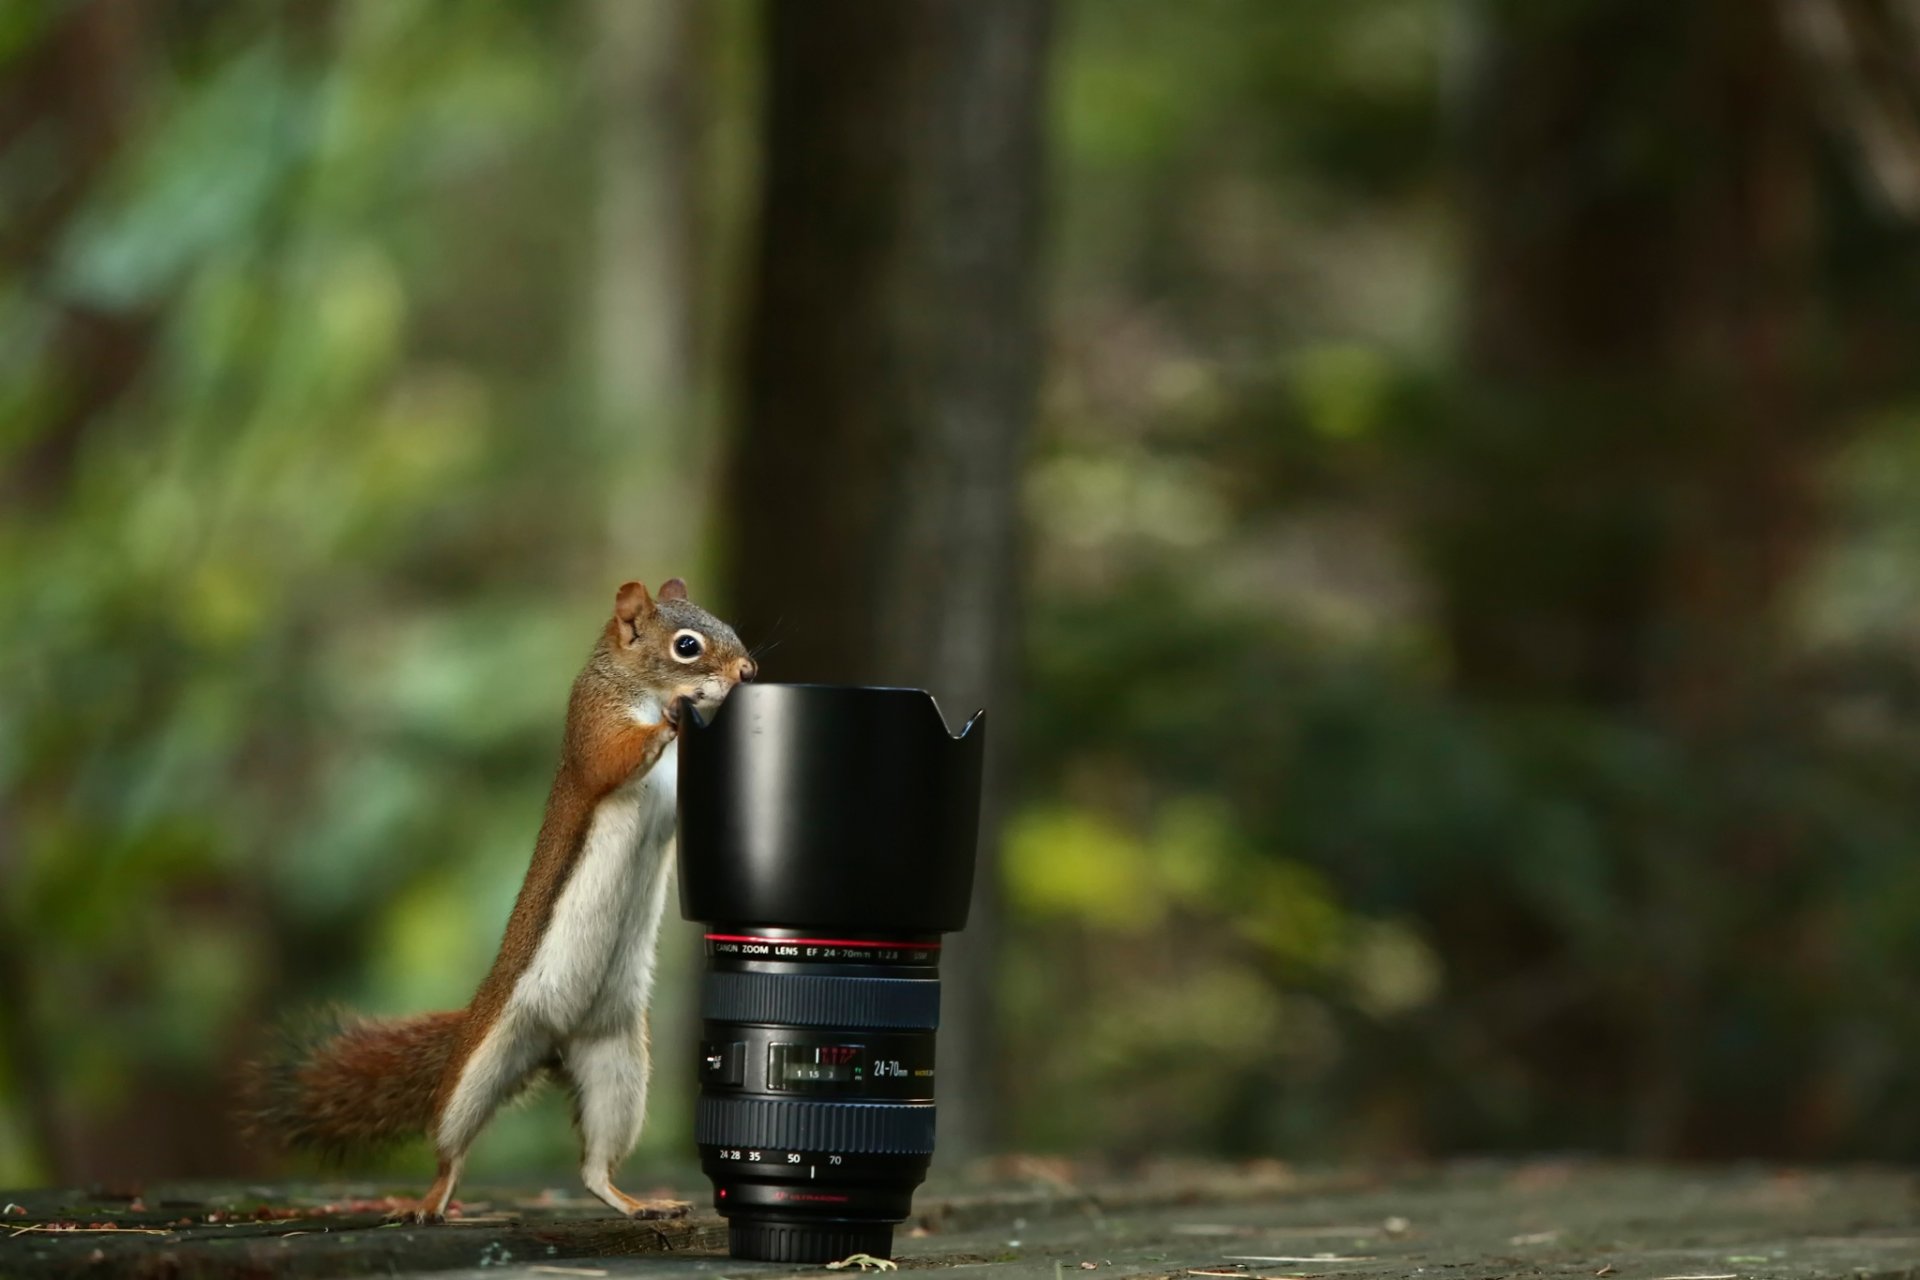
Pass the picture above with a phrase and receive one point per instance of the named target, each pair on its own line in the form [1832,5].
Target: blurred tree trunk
[892,359]
[1633,484]
[72,91]
[652,63]
[1642,237]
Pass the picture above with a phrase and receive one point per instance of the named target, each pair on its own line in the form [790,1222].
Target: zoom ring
[810,1000]
[781,1124]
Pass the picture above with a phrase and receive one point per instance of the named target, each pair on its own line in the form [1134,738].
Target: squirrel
[569,990]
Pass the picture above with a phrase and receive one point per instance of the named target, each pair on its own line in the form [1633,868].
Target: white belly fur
[593,970]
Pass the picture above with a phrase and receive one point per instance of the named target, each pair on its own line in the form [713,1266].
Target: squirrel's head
[671,648]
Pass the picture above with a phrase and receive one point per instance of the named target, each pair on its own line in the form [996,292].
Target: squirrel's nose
[748,669]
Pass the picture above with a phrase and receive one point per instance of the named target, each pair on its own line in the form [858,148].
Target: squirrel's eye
[687,645]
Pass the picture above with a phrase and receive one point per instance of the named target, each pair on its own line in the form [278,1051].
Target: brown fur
[373,1081]
[362,1083]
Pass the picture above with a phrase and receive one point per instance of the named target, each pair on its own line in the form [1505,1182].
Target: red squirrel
[570,988]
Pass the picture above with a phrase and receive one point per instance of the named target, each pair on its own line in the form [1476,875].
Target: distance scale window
[823,1068]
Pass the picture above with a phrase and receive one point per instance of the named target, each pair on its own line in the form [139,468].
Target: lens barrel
[826,840]
[815,1120]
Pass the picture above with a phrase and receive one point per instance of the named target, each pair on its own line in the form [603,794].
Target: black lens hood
[806,806]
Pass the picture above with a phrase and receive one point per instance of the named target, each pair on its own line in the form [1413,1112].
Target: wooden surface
[1461,1222]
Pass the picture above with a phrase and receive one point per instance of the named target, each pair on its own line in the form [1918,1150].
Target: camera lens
[826,841]
[816,1120]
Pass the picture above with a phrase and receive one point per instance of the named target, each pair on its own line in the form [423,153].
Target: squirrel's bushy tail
[344,1083]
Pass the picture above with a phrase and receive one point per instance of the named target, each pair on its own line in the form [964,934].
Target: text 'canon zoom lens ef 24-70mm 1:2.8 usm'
[826,842]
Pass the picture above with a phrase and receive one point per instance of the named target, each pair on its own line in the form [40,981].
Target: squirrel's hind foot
[655,1209]
[431,1208]
[633,1207]
[418,1215]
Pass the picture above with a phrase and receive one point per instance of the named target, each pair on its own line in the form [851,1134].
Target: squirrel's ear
[673,589]
[630,603]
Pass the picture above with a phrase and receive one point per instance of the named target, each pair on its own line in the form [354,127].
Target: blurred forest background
[1430,491]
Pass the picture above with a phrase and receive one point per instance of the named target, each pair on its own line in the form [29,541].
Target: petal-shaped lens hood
[829,806]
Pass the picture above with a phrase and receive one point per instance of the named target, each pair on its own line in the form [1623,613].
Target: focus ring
[783,1124]
[815,1000]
